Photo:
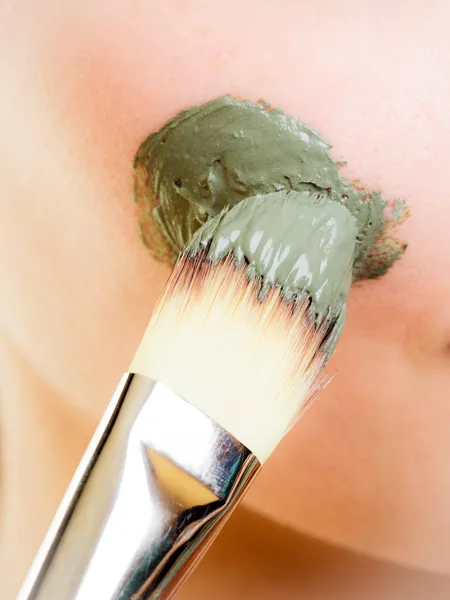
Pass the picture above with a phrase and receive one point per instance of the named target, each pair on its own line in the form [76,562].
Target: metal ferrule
[155,485]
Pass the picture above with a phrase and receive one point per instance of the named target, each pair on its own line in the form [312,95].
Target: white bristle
[249,364]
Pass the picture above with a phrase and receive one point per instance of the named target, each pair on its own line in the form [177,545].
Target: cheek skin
[81,286]
[368,460]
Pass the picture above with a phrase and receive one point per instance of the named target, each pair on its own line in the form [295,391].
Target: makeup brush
[233,353]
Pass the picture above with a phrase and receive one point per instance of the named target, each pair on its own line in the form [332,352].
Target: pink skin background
[82,84]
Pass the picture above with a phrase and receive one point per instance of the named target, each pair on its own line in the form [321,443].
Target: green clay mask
[260,165]
[213,156]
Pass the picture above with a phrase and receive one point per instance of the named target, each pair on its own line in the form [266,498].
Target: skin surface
[266,562]
[82,85]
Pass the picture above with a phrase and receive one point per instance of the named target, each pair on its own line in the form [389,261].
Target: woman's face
[84,84]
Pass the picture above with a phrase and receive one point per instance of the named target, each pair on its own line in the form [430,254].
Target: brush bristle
[249,363]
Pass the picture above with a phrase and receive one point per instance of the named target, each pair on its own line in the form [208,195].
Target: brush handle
[156,484]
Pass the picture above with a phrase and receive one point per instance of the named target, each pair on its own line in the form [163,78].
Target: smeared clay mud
[249,171]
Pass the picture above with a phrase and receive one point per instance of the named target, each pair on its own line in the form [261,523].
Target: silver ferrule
[155,485]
